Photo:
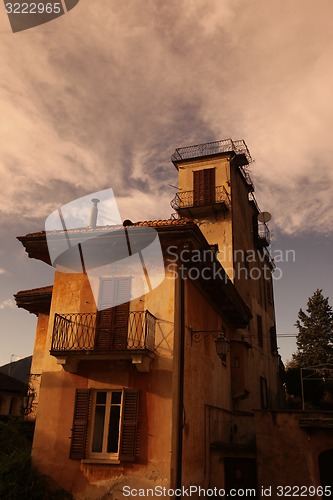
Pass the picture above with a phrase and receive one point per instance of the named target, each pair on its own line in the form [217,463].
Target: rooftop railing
[212,148]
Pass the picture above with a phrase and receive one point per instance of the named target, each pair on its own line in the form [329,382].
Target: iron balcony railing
[212,148]
[79,332]
[187,199]
[264,233]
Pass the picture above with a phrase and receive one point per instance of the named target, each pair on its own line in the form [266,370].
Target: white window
[106,424]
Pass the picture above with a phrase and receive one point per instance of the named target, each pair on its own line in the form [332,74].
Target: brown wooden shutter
[121,312]
[80,424]
[204,186]
[129,428]
[105,315]
[112,322]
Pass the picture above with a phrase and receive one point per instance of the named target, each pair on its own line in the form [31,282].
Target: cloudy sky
[102,96]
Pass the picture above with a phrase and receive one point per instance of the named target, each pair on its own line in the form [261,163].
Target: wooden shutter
[204,186]
[112,322]
[129,427]
[104,314]
[121,312]
[80,424]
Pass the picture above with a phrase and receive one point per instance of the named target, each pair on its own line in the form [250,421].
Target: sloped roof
[11,384]
[19,369]
[36,300]
[148,223]
[174,231]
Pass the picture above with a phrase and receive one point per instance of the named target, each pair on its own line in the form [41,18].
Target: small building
[159,391]
[12,393]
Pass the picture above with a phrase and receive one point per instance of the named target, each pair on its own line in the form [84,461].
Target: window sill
[101,461]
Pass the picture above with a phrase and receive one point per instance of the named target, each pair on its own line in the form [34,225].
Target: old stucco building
[161,390]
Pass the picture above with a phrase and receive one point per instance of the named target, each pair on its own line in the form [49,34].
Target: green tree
[315,333]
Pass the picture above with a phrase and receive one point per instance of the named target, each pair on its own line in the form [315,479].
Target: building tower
[216,190]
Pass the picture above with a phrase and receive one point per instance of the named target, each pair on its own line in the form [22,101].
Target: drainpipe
[178,384]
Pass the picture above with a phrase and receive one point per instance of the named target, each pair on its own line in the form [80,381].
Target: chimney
[94,213]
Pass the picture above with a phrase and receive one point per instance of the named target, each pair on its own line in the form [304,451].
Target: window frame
[82,428]
[91,426]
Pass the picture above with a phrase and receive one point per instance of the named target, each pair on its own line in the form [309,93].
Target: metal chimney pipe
[94,214]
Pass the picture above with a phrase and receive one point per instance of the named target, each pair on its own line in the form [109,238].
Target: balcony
[76,337]
[226,146]
[191,203]
[264,235]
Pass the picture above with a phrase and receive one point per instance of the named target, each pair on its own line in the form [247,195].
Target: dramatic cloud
[7,304]
[101,97]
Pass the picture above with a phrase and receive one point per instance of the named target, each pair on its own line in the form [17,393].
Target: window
[204,186]
[272,335]
[268,290]
[263,393]
[105,424]
[259,331]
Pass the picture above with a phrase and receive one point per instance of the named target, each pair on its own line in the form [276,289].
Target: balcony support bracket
[69,364]
[142,362]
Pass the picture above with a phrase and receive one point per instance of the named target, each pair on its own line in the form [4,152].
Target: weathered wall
[233,232]
[37,364]
[71,293]
[259,361]
[207,382]
[287,455]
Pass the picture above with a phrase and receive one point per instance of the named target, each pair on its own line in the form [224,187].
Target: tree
[315,333]
[314,347]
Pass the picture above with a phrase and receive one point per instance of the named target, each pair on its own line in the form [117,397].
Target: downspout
[178,385]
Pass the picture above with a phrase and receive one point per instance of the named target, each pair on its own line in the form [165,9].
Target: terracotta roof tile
[36,291]
[164,222]
[150,223]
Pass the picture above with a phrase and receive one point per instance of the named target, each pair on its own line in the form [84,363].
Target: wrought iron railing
[246,174]
[264,233]
[141,330]
[78,332]
[186,199]
[211,148]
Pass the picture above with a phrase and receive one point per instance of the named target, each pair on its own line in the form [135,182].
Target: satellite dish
[264,217]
